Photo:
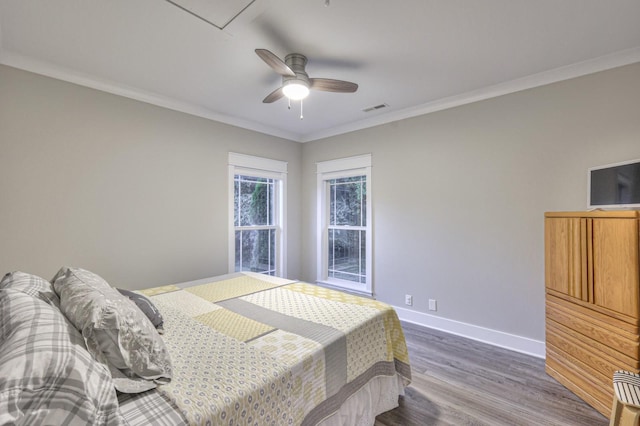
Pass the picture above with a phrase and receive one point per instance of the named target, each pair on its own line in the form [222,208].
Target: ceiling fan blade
[274,62]
[273,96]
[330,85]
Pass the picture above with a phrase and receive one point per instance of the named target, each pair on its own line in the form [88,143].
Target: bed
[244,349]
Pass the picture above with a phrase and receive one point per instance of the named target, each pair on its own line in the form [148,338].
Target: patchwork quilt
[252,349]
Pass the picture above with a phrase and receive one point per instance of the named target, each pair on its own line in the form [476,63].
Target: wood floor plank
[458,381]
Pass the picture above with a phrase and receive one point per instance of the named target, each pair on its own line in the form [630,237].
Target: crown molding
[602,63]
[60,73]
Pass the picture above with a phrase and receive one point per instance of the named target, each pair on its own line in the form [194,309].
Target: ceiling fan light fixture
[295,90]
[295,80]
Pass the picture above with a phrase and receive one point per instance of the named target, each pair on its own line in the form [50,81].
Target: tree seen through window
[255,227]
[347,228]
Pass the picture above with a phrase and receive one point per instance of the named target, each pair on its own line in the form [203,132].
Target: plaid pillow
[48,377]
[32,285]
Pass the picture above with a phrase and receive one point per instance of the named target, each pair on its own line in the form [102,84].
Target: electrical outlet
[408,299]
[433,305]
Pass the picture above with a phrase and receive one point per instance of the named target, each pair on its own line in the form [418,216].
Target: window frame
[260,167]
[336,169]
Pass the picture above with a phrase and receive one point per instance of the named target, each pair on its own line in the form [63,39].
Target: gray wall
[138,193]
[134,192]
[459,195]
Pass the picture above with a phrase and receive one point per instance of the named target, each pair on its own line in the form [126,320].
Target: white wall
[459,197]
[134,192]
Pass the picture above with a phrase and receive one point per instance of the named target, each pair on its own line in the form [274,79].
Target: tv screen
[615,185]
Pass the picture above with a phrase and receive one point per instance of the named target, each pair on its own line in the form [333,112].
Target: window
[257,204]
[344,223]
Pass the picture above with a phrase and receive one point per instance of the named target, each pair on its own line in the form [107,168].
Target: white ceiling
[416,56]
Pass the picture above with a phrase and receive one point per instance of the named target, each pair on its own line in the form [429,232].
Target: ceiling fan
[295,80]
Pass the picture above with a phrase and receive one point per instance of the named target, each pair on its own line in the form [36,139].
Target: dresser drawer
[593,354]
[588,384]
[612,336]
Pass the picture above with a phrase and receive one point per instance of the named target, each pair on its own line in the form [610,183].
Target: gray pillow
[117,333]
[147,308]
[32,285]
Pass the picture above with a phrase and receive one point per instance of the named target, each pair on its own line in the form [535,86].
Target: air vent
[373,108]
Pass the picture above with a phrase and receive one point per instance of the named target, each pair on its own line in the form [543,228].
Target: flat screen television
[614,186]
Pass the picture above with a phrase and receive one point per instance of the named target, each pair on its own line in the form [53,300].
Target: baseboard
[512,342]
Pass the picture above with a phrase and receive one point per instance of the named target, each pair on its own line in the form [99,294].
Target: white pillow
[117,333]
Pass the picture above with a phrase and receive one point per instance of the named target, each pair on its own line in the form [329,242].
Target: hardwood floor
[458,381]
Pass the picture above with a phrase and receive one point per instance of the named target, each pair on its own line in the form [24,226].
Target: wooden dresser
[592,300]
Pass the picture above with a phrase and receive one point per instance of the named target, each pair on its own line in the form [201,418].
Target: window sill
[345,288]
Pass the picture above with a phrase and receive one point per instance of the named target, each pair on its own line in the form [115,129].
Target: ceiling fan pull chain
[289,103]
[301,116]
